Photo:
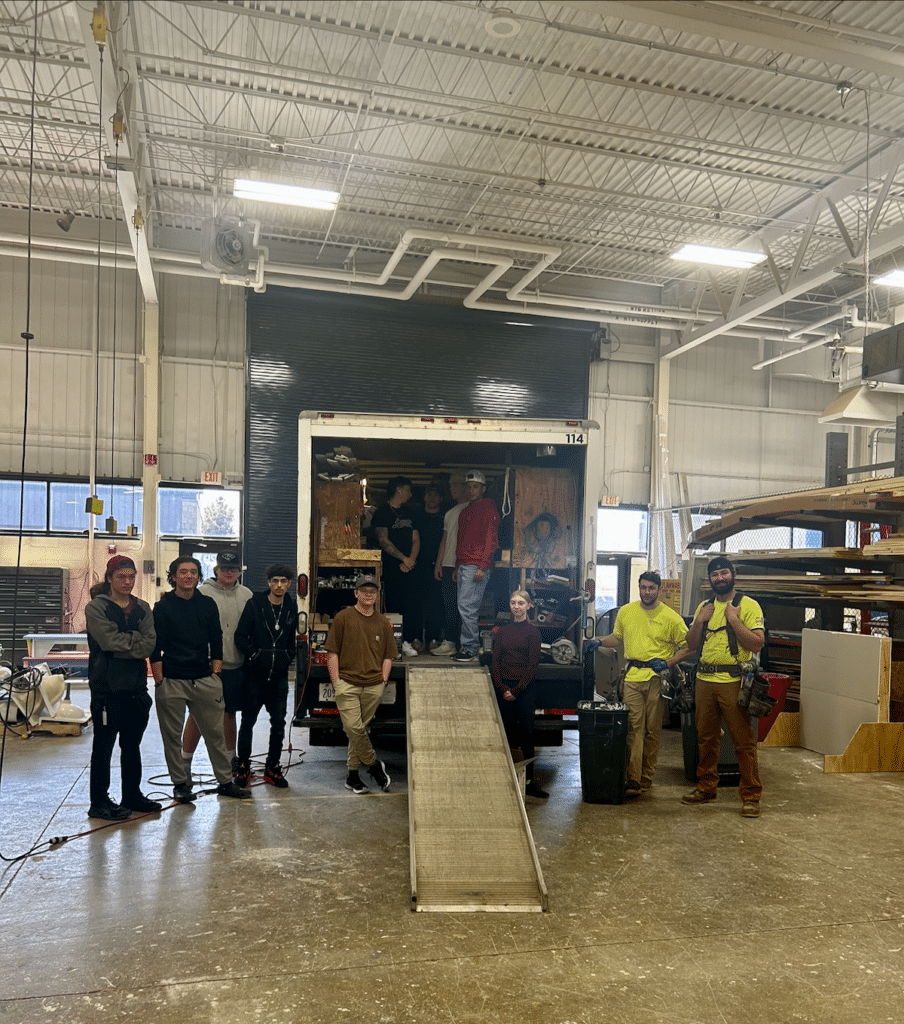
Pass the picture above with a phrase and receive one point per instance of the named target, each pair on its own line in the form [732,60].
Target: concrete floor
[294,906]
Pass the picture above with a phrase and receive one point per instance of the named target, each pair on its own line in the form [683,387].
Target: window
[67,507]
[622,530]
[34,512]
[199,512]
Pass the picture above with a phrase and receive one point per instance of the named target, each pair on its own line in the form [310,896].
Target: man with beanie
[729,627]
[267,637]
[186,664]
[360,652]
[120,637]
[230,597]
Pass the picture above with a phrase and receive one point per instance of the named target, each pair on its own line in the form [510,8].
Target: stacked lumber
[870,500]
[890,547]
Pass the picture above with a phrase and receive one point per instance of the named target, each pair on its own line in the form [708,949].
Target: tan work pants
[717,703]
[644,727]
[357,706]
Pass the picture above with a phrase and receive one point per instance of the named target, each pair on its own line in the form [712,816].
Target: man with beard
[654,638]
[730,629]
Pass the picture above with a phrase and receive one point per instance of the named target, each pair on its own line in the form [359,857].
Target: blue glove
[592,645]
[659,664]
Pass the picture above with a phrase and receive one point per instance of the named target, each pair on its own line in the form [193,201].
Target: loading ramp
[471,844]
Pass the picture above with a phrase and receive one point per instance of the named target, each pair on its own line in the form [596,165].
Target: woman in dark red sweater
[516,654]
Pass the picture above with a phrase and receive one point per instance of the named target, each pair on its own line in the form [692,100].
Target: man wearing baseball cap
[478,538]
[360,652]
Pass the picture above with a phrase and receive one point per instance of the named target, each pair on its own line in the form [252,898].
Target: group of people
[727,632]
[435,565]
[360,652]
[215,648]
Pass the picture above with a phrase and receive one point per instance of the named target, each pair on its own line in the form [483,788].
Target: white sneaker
[408,651]
[445,649]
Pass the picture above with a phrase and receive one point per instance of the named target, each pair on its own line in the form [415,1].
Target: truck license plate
[327,693]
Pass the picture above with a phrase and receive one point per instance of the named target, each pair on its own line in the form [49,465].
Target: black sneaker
[533,789]
[377,771]
[354,783]
[273,774]
[231,789]
[242,774]
[183,794]
[463,656]
[141,805]
[109,812]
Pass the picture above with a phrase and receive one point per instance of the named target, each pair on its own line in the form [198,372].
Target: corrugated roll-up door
[334,353]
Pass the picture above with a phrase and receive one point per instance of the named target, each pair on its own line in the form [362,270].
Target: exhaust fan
[225,247]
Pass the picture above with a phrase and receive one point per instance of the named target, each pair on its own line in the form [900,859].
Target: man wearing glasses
[730,628]
[186,664]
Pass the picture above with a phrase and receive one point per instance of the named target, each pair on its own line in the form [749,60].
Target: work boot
[751,809]
[698,796]
[632,788]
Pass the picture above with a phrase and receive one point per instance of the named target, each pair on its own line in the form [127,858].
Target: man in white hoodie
[231,597]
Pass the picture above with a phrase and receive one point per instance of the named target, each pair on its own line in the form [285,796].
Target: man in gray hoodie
[231,597]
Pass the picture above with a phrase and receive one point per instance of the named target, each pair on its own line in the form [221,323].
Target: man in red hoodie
[478,538]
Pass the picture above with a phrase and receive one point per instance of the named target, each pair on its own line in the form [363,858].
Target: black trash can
[603,748]
[729,773]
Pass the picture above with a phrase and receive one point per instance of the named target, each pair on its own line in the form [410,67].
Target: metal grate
[471,845]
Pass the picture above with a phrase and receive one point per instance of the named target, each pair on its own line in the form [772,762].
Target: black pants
[518,720]
[434,611]
[450,603]
[266,693]
[401,595]
[125,716]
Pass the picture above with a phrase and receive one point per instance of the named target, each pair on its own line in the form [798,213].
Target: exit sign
[609,499]
[211,478]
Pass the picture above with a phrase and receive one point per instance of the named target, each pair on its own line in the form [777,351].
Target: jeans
[470,598]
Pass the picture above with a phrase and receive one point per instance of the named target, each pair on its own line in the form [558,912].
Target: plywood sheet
[337,520]
[875,747]
[845,681]
[541,492]
[785,731]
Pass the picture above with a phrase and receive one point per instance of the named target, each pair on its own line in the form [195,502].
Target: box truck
[545,477]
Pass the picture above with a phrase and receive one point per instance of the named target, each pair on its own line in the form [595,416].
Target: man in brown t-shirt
[360,652]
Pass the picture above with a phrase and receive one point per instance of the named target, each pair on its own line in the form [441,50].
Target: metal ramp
[471,845]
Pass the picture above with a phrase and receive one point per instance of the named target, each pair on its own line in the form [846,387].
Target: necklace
[276,609]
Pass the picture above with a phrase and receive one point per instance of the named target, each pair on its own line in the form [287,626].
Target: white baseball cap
[475,476]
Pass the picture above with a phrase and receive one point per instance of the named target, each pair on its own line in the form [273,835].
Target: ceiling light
[290,195]
[64,223]
[742,259]
[500,26]
[894,278]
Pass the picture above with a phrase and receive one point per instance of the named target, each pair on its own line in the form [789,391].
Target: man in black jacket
[266,635]
[186,663]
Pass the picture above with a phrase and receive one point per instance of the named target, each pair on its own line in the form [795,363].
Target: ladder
[471,844]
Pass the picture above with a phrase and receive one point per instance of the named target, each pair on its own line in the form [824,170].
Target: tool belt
[733,668]
[634,663]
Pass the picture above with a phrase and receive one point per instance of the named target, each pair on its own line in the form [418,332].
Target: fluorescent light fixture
[741,259]
[894,278]
[290,195]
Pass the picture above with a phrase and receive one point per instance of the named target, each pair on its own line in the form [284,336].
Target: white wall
[202,374]
[732,431]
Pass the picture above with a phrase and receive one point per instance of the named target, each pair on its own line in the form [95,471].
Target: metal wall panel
[308,350]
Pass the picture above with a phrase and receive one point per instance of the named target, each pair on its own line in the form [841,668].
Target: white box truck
[545,476]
